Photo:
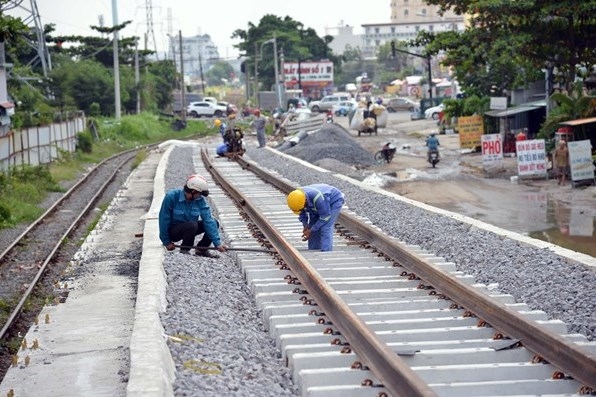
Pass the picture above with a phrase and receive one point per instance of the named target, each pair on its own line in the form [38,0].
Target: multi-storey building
[408,17]
[198,54]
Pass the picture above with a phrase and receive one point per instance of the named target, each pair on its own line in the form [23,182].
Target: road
[540,208]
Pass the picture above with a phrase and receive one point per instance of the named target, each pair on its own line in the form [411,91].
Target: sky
[218,20]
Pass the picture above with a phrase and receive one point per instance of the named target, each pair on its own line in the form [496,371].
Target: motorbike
[386,154]
[329,117]
[433,157]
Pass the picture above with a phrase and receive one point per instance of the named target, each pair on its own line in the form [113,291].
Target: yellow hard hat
[297,201]
[217,122]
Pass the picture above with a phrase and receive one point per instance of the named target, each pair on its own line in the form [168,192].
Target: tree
[569,106]
[518,39]
[218,72]
[298,44]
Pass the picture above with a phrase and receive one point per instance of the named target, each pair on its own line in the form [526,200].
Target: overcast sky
[215,18]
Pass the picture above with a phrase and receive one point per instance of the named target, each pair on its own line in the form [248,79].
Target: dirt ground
[460,184]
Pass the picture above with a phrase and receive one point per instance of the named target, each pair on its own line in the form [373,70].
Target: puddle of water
[572,227]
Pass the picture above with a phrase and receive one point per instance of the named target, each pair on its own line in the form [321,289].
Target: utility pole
[256,76]
[116,61]
[201,71]
[137,77]
[182,84]
[428,63]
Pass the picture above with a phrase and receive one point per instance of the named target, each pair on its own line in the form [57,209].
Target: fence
[39,145]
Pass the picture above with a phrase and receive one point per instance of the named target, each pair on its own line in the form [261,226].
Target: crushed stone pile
[332,142]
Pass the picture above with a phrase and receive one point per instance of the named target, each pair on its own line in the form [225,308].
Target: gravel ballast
[227,328]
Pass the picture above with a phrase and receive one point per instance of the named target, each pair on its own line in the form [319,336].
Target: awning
[573,123]
[510,111]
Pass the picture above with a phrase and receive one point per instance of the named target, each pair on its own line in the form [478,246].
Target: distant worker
[561,162]
[259,124]
[317,207]
[221,127]
[432,142]
[185,214]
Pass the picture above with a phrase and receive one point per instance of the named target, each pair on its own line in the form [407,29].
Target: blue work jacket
[176,209]
[320,198]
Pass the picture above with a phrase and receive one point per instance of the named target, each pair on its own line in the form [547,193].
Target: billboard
[314,78]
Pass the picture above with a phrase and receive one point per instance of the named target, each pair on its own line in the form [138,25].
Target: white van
[327,102]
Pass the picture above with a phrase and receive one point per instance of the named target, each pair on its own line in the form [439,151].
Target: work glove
[170,246]
[305,234]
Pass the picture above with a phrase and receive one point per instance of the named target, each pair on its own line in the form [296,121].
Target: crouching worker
[185,214]
[317,207]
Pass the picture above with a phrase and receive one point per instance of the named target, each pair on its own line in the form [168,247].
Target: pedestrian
[561,160]
[317,207]
[185,214]
[259,123]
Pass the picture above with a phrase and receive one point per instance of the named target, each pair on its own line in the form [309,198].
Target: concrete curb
[152,369]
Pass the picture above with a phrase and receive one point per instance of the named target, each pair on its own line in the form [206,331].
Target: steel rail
[397,377]
[567,356]
[19,307]
[59,202]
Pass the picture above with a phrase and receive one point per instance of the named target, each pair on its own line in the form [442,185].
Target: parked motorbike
[386,154]
[433,157]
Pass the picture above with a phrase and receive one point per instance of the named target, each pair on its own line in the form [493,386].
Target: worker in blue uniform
[185,214]
[317,207]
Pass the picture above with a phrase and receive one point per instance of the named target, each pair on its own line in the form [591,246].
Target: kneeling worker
[185,214]
[317,207]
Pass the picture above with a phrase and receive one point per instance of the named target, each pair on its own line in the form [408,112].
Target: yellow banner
[470,130]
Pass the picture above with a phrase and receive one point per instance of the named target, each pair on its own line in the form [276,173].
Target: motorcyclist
[432,142]
[388,151]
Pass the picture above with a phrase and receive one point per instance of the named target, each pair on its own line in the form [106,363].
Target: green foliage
[298,42]
[84,142]
[509,43]
[94,109]
[22,189]
[570,106]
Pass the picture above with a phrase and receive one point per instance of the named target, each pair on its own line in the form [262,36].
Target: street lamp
[430,78]
[277,90]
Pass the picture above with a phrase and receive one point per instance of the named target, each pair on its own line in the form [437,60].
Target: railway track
[375,317]
[32,264]
[379,317]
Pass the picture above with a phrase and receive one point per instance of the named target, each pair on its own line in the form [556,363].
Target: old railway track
[31,265]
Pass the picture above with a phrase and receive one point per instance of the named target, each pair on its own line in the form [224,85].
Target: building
[408,17]
[199,53]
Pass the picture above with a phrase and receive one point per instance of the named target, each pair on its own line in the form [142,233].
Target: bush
[94,109]
[84,142]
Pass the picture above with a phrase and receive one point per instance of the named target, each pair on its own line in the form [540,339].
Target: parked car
[395,104]
[433,113]
[344,108]
[231,108]
[205,109]
[327,102]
